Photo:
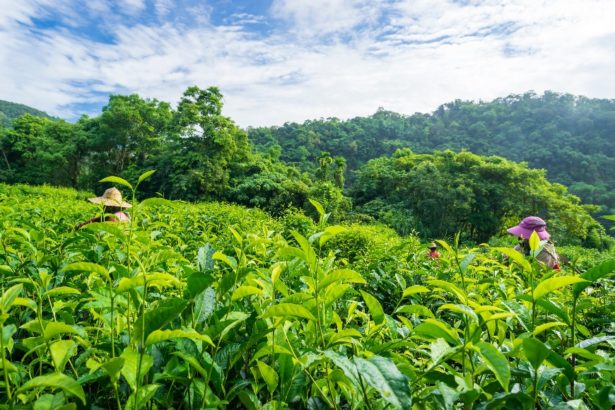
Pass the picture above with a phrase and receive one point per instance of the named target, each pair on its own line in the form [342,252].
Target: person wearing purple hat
[524,230]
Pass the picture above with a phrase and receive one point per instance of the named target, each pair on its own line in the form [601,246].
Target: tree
[126,136]
[206,144]
[446,192]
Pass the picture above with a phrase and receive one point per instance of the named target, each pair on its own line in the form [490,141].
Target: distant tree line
[572,137]
[198,153]
[201,155]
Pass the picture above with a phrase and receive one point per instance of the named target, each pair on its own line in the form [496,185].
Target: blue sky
[292,60]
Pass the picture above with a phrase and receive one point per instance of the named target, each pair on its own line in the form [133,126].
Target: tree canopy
[569,136]
[443,193]
[202,155]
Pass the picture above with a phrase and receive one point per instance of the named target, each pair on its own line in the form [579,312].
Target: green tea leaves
[382,374]
[547,286]
[496,362]
[55,381]
[375,308]
[288,310]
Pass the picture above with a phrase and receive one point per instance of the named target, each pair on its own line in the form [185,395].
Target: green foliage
[199,153]
[218,306]
[9,111]
[569,136]
[445,192]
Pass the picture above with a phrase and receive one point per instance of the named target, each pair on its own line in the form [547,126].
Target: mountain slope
[572,137]
[10,110]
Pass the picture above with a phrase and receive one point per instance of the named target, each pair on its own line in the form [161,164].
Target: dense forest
[572,137]
[202,155]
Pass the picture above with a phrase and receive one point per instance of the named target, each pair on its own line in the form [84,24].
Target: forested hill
[572,137]
[9,111]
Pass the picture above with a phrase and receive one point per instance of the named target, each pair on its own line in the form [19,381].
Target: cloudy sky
[291,60]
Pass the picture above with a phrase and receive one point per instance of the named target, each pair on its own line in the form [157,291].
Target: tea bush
[216,306]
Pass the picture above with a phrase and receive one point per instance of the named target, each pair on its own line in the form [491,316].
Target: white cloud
[335,58]
[132,6]
[163,7]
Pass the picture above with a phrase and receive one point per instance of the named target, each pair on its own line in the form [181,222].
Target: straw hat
[433,245]
[111,197]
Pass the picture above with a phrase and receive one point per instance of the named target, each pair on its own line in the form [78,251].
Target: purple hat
[529,224]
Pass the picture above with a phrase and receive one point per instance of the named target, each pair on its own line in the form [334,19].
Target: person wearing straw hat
[113,206]
[433,252]
[548,255]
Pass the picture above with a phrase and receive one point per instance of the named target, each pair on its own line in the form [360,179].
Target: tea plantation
[202,306]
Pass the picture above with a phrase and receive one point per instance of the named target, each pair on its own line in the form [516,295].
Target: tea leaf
[534,242]
[140,399]
[546,326]
[9,296]
[131,364]
[340,275]
[535,351]
[547,286]
[204,304]
[117,180]
[288,310]
[61,290]
[496,362]
[61,352]
[462,309]
[55,381]
[594,340]
[161,335]
[415,310]
[158,316]
[412,290]
[382,374]
[516,257]
[449,287]
[113,367]
[145,176]
[269,375]
[245,291]
[375,308]
[434,329]
[593,274]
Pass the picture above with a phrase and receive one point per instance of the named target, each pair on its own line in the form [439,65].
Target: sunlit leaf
[496,362]
[414,289]
[340,275]
[145,176]
[288,310]
[158,336]
[55,381]
[117,180]
[375,308]
[547,286]
[535,351]
[382,374]
[546,326]
[269,375]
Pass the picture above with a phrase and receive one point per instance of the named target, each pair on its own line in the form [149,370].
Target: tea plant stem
[117,396]
[39,316]
[573,358]
[329,385]
[141,346]
[292,351]
[112,326]
[364,391]
[6,376]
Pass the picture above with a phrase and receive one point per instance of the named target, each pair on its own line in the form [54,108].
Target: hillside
[212,305]
[201,155]
[572,137]
[10,110]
